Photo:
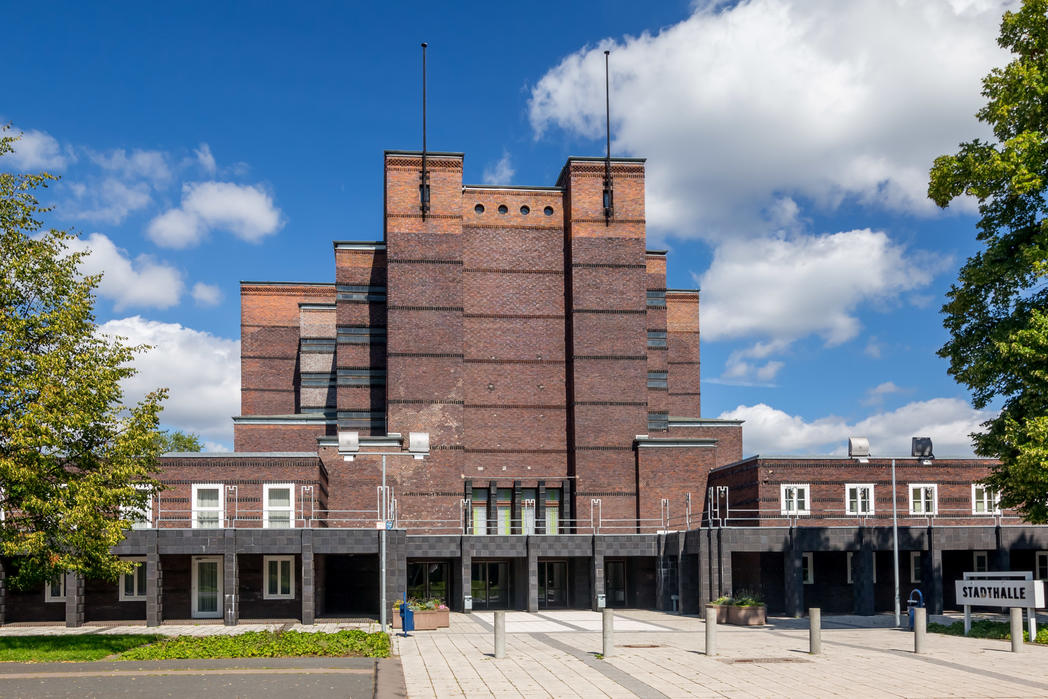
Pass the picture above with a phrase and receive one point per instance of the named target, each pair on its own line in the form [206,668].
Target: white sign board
[1001,593]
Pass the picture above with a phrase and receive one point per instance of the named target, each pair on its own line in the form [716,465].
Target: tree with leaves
[75,462]
[997,312]
[169,441]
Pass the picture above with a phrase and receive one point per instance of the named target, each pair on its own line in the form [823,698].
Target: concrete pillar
[154,587]
[608,633]
[466,572]
[533,576]
[396,567]
[815,630]
[794,578]
[705,569]
[1015,623]
[74,605]
[862,576]
[500,634]
[711,629]
[230,587]
[597,571]
[931,575]
[724,564]
[308,580]
[920,629]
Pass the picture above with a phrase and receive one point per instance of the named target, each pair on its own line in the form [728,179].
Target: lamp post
[349,447]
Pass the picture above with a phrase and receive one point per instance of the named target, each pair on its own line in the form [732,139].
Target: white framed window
[278,506]
[279,574]
[552,511]
[133,584]
[980,562]
[55,589]
[140,517]
[915,566]
[1041,565]
[479,507]
[808,567]
[985,501]
[795,499]
[858,499]
[874,559]
[208,506]
[924,498]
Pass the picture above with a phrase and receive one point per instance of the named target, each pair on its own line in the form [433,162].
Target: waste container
[407,617]
[912,604]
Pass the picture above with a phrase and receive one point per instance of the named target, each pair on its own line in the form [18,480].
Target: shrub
[266,644]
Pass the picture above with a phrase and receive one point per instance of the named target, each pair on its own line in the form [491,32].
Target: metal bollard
[920,628]
[608,619]
[815,630]
[711,629]
[1015,616]
[500,633]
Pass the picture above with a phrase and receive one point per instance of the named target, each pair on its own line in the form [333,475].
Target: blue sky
[788,144]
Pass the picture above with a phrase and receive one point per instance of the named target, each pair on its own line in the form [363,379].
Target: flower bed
[744,610]
[429,614]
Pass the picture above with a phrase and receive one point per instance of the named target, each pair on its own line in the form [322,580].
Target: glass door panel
[207,588]
[615,583]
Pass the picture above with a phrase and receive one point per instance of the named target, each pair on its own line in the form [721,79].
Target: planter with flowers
[429,614]
[746,609]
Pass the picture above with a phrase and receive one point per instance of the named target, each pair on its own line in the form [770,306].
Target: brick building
[529,332]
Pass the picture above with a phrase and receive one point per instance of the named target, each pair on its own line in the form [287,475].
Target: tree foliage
[997,312]
[73,459]
[177,441]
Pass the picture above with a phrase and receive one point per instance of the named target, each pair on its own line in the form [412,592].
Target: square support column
[597,577]
[932,573]
[705,569]
[533,576]
[308,579]
[466,572]
[1002,556]
[154,585]
[862,576]
[723,565]
[74,604]
[794,578]
[231,606]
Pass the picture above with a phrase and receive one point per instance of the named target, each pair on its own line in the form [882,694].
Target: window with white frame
[55,589]
[133,584]
[479,505]
[985,501]
[207,506]
[915,566]
[140,517]
[280,577]
[858,499]
[1041,565]
[278,506]
[808,567]
[980,561]
[873,558]
[795,500]
[924,498]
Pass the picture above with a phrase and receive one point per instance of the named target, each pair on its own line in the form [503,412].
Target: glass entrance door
[490,585]
[615,583]
[553,584]
[207,588]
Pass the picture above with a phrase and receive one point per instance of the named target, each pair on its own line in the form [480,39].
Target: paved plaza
[554,654]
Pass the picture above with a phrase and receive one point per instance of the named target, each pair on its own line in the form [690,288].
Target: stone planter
[722,613]
[747,616]
[426,619]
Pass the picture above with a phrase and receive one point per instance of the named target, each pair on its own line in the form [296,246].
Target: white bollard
[1015,616]
[711,629]
[815,630]
[920,628]
[608,619]
[500,633]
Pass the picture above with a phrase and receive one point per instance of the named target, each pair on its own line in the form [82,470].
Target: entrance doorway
[615,583]
[553,584]
[207,588]
[490,585]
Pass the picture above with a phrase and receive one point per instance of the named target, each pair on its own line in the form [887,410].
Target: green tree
[997,312]
[73,459]
[178,441]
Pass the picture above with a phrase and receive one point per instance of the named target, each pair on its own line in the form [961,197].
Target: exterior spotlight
[418,444]
[348,444]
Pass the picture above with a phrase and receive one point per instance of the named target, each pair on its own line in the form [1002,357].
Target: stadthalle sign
[1001,593]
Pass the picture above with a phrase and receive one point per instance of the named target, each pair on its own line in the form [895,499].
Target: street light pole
[382,555]
[895,545]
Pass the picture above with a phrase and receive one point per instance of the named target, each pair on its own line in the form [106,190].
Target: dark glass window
[479,208]
[525,210]
[548,211]
[658,380]
[657,298]
[656,339]
[503,209]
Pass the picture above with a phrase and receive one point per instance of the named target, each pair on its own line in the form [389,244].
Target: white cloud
[150,165]
[201,370]
[109,200]
[785,288]
[948,421]
[500,172]
[206,294]
[205,159]
[142,282]
[37,150]
[873,348]
[738,107]
[877,394]
[246,211]
[740,370]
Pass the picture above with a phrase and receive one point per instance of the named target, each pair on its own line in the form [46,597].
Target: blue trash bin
[407,618]
[912,604]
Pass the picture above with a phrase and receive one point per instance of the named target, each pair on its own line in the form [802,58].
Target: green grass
[266,644]
[985,628]
[38,649]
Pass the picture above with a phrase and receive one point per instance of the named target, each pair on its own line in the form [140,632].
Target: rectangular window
[658,380]
[362,420]
[658,422]
[1041,565]
[361,335]
[924,498]
[207,506]
[808,567]
[317,379]
[55,589]
[657,339]
[480,511]
[850,561]
[133,584]
[361,376]
[858,498]
[985,501]
[322,345]
[915,566]
[795,500]
[656,298]
[140,517]
[360,292]
[280,577]
[504,510]
[980,562]
[552,511]
[279,506]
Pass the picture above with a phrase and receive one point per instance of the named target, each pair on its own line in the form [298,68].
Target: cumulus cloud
[743,108]
[206,294]
[138,282]
[877,394]
[205,159]
[948,421]
[500,172]
[201,370]
[137,164]
[785,288]
[108,200]
[246,211]
[37,150]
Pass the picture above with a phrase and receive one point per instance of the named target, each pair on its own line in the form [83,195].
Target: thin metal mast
[609,207]
[423,188]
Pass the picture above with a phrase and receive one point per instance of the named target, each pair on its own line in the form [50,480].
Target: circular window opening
[548,211]
[479,208]
[525,210]
[503,209]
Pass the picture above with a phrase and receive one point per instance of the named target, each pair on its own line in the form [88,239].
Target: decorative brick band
[615,220]
[594,265]
[628,312]
[514,361]
[451,309]
[610,402]
[629,357]
[431,494]
[545,316]
[502,270]
[600,448]
[412,261]
[516,451]
[522,407]
[404,401]
[606,494]
[419,216]
[435,355]
[681,363]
